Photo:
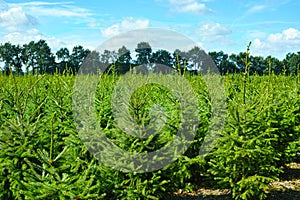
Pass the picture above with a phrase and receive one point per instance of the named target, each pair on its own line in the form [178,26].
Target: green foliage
[37,58]
[260,133]
[38,157]
[176,175]
[42,157]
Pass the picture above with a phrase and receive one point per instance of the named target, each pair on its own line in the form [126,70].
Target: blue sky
[273,26]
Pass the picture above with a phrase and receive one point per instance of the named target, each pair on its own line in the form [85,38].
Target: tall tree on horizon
[222,62]
[200,61]
[124,60]
[45,58]
[38,57]
[144,52]
[162,61]
[6,56]
[77,57]
[292,63]
[63,55]
[11,55]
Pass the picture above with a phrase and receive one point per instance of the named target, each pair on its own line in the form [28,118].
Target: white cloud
[158,38]
[189,6]
[291,34]
[212,31]
[255,9]
[130,23]
[42,3]
[15,18]
[18,21]
[265,6]
[59,12]
[111,31]
[54,9]
[181,2]
[23,37]
[278,43]
[127,24]
[21,16]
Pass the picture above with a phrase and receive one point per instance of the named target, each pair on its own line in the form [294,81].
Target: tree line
[37,58]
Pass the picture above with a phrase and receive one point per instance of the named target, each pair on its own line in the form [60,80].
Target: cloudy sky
[273,26]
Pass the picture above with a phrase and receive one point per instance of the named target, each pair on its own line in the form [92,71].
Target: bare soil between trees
[287,188]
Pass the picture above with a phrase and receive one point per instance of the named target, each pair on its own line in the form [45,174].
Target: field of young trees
[42,156]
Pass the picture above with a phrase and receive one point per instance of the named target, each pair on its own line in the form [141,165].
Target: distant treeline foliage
[37,58]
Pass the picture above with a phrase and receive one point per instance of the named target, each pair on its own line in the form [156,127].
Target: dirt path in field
[288,188]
